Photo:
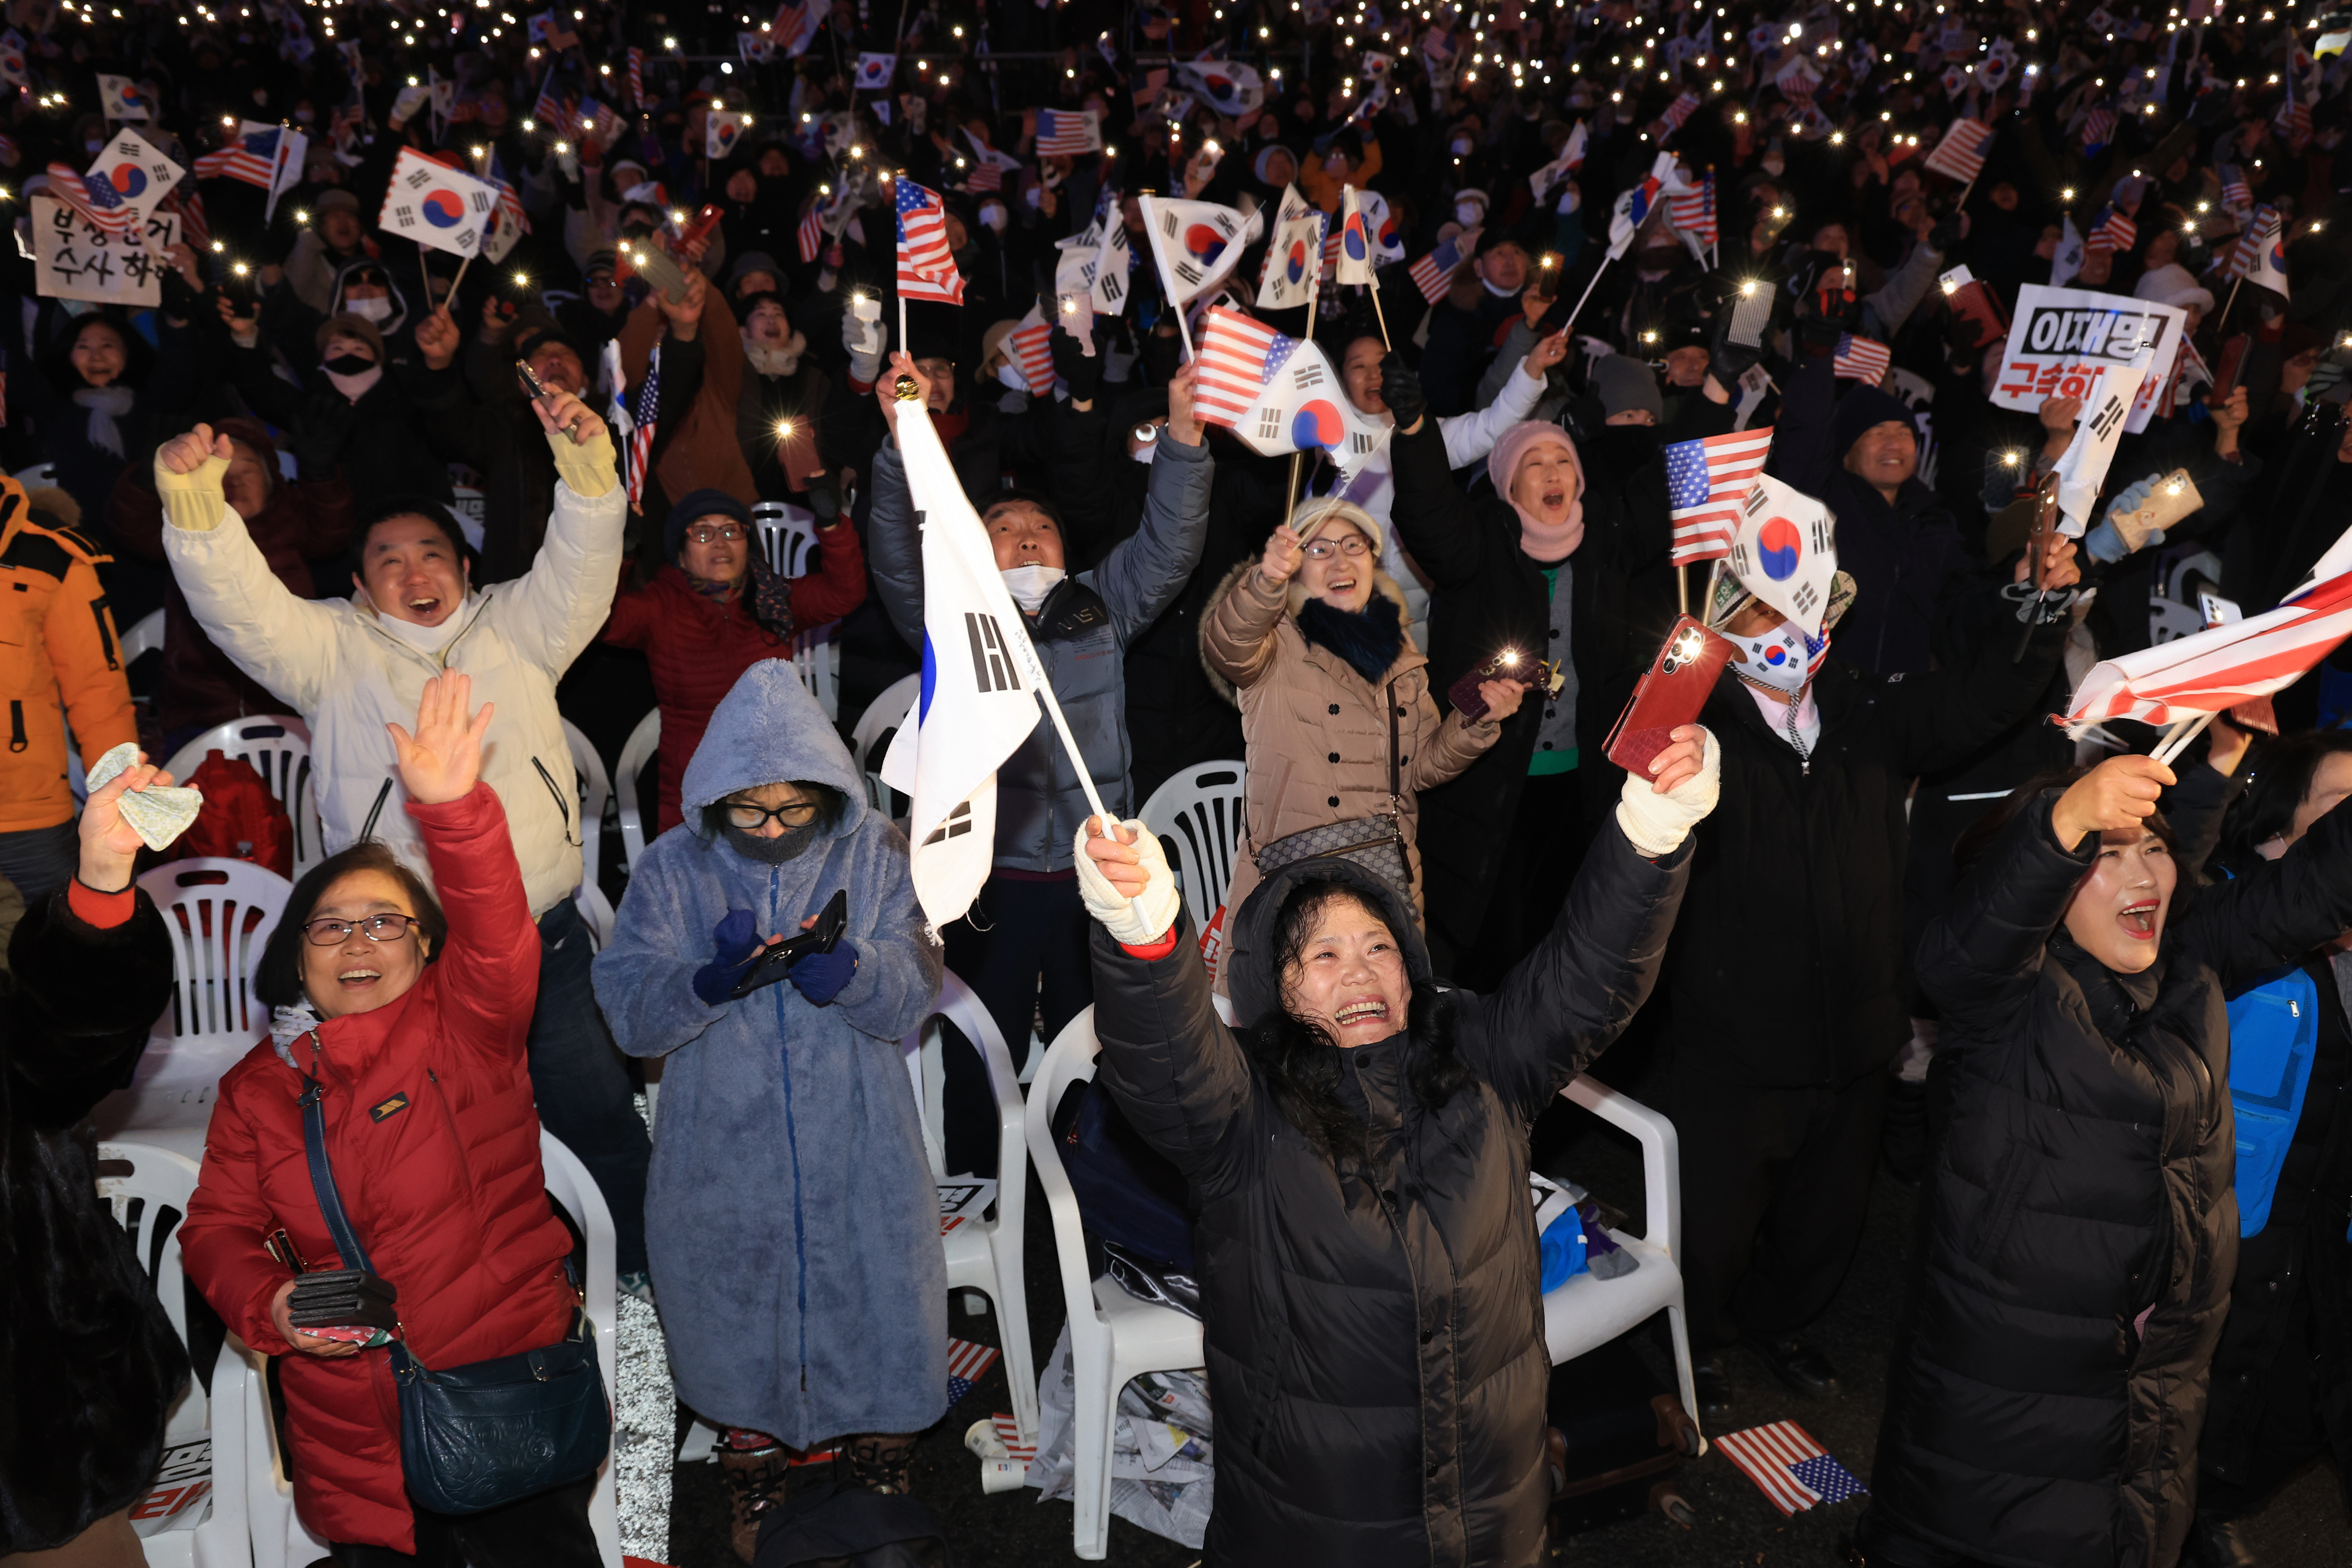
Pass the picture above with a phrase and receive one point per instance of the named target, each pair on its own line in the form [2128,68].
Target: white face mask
[370,310]
[1469,214]
[992,217]
[1461,147]
[1030,584]
[1009,376]
[1148,451]
[1778,658]
[1775,165]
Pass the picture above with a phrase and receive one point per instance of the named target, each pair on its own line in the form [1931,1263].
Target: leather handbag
[1375,843]
[491,1432]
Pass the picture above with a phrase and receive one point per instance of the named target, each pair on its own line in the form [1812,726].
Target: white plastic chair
[246,1456]
[983,1254]
[816,660]
[144,636]
[218,915]
[1588,1312]
[643,742]
[595,790]
[1198,815]
[1113,1336]
[786,536]
[148,1188]
[39,476]
[278,746]
[883,716]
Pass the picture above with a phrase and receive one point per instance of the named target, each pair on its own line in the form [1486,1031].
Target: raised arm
[1144,573]
[556,608]
[2277,913]
[1237,638]
[1441,526]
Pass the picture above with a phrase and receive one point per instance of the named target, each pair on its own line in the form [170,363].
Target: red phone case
[1672,693]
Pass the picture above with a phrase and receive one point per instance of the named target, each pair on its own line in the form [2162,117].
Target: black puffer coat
[2084,1177]
[1374,1332]
[89,1363]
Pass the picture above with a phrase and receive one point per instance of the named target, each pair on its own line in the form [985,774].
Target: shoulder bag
[1375,843]
[492,1432]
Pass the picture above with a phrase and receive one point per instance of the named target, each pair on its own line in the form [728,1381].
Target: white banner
[2061,339]
[76,260]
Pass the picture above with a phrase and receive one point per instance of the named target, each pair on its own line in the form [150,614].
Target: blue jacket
[1081,633]
[790,1215]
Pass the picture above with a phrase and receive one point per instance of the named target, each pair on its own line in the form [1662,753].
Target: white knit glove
[1659,823]
[864,341]
[1142,920]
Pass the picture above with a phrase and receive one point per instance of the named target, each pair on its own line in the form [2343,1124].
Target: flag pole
[1589,287]
[459,282]
[2176,739]
[1314,299]
[425,273]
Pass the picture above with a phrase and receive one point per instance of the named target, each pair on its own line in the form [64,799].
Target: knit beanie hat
[1861,410]
[703,503]
[1625,383]
[1511,449]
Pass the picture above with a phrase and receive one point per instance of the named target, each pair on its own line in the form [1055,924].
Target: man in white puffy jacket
[352,666]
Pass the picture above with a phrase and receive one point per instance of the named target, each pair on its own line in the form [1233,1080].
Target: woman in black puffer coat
[1358,1167]
[2080,1221]
[89,1363]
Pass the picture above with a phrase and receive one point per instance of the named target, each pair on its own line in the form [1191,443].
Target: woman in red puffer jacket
[412,1016]
[716,611]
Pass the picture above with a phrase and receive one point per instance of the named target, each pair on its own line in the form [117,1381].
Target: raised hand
[1680,761]
[2119,793]
[1114,855]
[1502,697]
[1183,422]
[1548,353]
[438,339]
[1284,554]
[443,760]
[685,315]
[189,453]
[886,388]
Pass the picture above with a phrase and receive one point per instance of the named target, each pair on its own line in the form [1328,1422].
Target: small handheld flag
[1707,480]
[1961,152]
[1861,360]
[926,270]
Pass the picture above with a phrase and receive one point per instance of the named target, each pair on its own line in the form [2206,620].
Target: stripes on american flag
[2112,232]
[812,232]
[641,438]
[195,229]
[1432,273]
[1681,110]
[1791,1470]
[1067,132]
[2214,669]
[637,78]
[95,201]
[2234,189]
[1238,357]
[1961,152]
[967,1364]
[1032,347]
[1861,360]
[549,110]
[2098,128]
[1008,1432]
[925,269]
[1707,479]
[1693,211]
[252,158]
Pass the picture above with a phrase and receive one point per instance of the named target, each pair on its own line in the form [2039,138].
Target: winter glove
[1656,823]
[825,498]
[1080,370]
[592,470]
[737,938]
[193,502]
[1739,329]
[319,437]
[1142,920]
[2110,542]
[822,975]
[1944,234]
[1400,390]
[864,341]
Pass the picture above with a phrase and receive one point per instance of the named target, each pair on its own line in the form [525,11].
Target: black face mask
[351,364]
[790,844]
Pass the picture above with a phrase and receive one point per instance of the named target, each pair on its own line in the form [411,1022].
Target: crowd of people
[441,488]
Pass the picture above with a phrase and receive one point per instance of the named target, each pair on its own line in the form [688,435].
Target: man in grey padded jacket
[1028,924]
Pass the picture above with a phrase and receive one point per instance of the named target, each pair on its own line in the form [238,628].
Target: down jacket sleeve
[2276,913]
[286,643]
[488,966]
[1978,959]
[1564,1003]
[895,554]
[1172,1064]
[1142,576]
[1237,638]
[555,609]
[87,658]
[79,1007]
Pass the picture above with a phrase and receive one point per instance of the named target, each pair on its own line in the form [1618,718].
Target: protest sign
[2062,337]
[75,259]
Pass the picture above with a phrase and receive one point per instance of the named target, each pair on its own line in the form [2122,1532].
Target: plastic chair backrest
[959,1006]
[883,716]
[567,1182]
[143,636]
[148,1190]
[278,747]
[219,913]
[643,741]
[39,476]
[595,789]
[1070,1059]
[1198,815]
[787,536]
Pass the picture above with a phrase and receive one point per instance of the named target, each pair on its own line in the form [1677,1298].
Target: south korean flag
[436,206]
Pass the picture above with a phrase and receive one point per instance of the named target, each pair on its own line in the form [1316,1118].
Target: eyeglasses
[729,535]
[1324,549]
[750,819]
[379,928]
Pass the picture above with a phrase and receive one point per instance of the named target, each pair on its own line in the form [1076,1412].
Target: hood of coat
[1254,974]
[1382,583]
[769,729]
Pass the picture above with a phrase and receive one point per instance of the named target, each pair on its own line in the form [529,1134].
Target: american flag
[966,1364]
[1433,272]
[637,78]
[2294,118]
[195,230]
[2211,670]
[925,269]
[812,231]
[252,157]
[1008,1432]
[989,166]
[1066,134]
[1681,110]
[1705,481]
[549,111]
[796,25]
[602,121]
[1961,152]
[1860,360]
[1789,1467]
[1693,211]
[641,435]
[1238,358]
[2098,128]
[2112,232]
[93,199]
[1032,347]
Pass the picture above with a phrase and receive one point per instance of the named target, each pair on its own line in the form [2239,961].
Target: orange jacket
[60,662]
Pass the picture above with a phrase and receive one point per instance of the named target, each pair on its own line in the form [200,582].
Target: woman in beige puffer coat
[1312,637]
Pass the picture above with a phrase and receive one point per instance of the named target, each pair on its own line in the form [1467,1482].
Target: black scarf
[1370,639]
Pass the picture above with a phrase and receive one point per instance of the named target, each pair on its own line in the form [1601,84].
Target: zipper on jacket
[17,741]
[561,805]
[367,829]
[98,609]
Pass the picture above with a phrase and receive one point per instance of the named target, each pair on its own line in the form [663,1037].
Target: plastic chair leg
[1677,1325]
[1020,1359]
[1097,1408]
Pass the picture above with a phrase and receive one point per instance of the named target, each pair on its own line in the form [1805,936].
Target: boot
[2216,1544]
[878,1461]
[755,1487]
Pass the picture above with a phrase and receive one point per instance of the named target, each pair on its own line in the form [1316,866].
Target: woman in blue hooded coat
[790,1216]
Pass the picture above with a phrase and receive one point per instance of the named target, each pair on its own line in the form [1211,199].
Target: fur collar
[783,362]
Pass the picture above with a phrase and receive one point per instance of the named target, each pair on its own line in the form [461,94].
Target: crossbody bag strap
[330,1202]
[1396,790]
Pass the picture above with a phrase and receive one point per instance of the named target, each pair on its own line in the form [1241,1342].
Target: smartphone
[1509,665]
[773,962]
[701,226]
[280,1246]
[657,268]
[1672,693]
[532,386]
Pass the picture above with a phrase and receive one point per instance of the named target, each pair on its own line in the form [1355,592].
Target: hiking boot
[755,1487]
[878,1461]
